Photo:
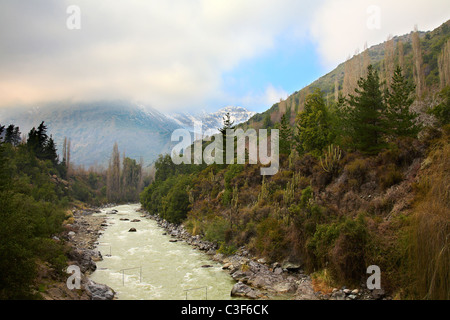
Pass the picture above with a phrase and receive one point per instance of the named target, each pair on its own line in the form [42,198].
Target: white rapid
[146,265]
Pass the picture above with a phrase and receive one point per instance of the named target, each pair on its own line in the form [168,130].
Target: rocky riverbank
[256,279]
[80,235]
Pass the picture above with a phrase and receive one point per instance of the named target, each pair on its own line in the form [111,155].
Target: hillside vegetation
[37,193]
[363,177]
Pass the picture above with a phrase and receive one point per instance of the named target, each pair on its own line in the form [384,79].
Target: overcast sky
[189,54]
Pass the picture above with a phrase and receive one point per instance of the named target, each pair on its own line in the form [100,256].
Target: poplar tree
[419,75]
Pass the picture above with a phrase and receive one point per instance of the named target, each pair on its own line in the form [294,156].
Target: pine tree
[12,135]
[402,122]
[314,131]
[227,125]
[37,140]
[49,152]
[365,114]
[2,128]
[267,123]
[285,135]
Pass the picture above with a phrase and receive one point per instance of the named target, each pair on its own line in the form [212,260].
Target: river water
[146,265]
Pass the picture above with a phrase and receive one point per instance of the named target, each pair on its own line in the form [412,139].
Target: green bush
[341,247]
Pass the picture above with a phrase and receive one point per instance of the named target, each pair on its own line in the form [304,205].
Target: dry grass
[322,282]
[430,254]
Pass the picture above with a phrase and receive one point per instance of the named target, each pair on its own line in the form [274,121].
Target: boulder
[291,266]
[135,220]
[99,291]
[378,294]
[132,230]
[83,259]
[242,290]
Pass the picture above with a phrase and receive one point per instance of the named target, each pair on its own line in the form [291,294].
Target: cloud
[340,27]
[172,54]
[268,97]
[169,54]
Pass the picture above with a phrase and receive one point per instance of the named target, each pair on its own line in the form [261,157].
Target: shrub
[357,170]
[215,231]
[341,247]
[270,240]
[390,176]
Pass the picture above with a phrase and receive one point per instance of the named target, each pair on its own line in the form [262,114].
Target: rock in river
[132,230]
[242,290]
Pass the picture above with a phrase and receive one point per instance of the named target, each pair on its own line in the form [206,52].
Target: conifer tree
[12,135]
[49,151]
[227,125]
[2,128]
[285,135]
[402,122]
[314,131]
[364,113]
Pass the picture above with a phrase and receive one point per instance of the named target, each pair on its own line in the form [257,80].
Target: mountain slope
[211,122]
[93,128]
[431,43]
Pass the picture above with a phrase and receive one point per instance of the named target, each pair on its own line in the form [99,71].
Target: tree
[285,135]
[49,152]
[267,122]
[2,128]
[402,122]
[364,114]
[314,131]
[37,140]
[131,177]
[389,59]
[12,135]
[444,65]
[227,125]
[113,176]
[442,110]
[419,75]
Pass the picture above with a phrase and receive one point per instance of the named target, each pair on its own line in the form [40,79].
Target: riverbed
[146,265]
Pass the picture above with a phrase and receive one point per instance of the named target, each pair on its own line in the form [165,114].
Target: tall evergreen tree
[364,112]
[285,135]
[227,125]
[49,152]
[402,122]
[37,140]
[12,135]
[314,131]
[2,128]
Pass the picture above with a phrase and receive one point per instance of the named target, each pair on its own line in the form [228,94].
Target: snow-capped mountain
[94,127]
[211,122]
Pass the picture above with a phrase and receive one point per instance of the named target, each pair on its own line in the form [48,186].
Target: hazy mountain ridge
[211,122]
[94,127]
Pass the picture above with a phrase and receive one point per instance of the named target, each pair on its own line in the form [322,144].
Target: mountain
[431,45]
[94,127]
[211,122]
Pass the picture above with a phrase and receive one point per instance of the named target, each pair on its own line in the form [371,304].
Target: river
[145,265]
